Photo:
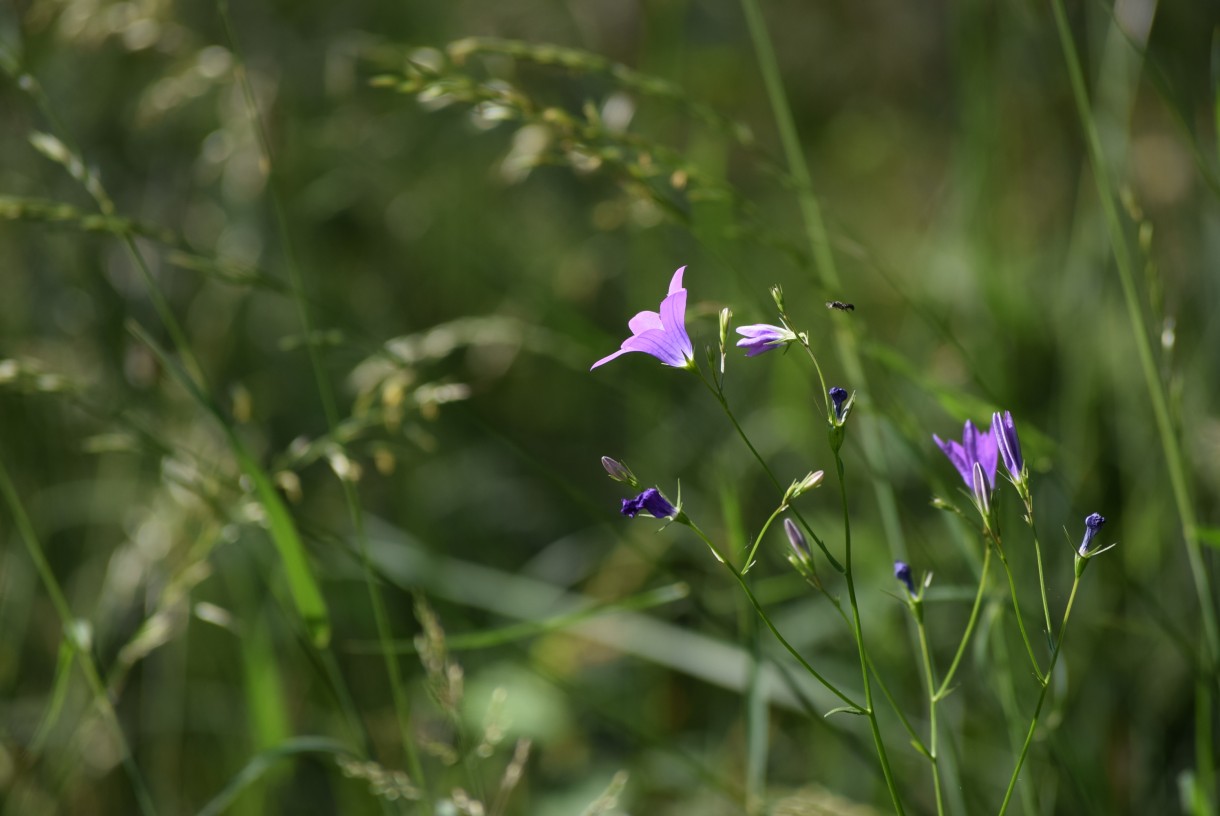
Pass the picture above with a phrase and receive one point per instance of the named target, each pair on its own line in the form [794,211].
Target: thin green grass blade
[302,585]
[402,705]
[59,692]
[262,762]
[25,530]
[1170,445]
[491,638]
[264,695]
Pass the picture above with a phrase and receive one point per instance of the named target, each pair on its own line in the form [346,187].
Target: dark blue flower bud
[902,571]
[651,502]
[838,396]
[1091,525]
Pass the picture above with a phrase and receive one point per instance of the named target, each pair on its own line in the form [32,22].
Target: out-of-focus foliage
[477,197]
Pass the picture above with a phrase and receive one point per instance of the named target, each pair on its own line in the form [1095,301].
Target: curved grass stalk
[1033,725]
[381,619]
[858,631]
[97,688]
[930,681]
[1174,464]
[943,689]
[762,614]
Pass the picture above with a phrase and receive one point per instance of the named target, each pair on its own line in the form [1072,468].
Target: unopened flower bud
[797,540]
[777,294]
[652,502]
[902,571]
[804,485]
[619,472]
[1092,524]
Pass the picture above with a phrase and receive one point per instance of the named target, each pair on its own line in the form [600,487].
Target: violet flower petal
[651,502]
[1005,432]
[660,334]
[957,456]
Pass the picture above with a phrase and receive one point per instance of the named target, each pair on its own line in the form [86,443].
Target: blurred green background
[475,220]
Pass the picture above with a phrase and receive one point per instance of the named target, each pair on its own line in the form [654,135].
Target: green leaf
[261,762]
[844,710]
[1209,536]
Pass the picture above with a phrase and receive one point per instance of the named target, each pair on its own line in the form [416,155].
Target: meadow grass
[302,509]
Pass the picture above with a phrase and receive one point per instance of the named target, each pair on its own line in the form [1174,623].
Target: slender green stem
[916,740]
[858,631]
[1016,607]
[758,540]
[1029,518]
[846,344]
[756,717]
[804,341]
[728,412]
[930,681]
[330,408]
[745,587]
[1033,725]
[943,689]
[88,667]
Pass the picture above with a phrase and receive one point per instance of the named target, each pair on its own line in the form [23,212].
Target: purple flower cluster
[977,455]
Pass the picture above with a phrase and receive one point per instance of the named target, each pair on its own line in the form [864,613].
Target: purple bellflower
[975,459]
[975,446]
[763,337]
[902,571]
[661,334]
[651,502]
[1091,525]
[838,396]
[1005,432]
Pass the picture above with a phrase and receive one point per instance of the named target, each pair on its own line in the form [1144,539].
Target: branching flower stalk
[944,688]
[1056,650]
[654,504]
[858,633]
[1004,430]
[993,533]
[915,603]
[663,335]
[1085,553]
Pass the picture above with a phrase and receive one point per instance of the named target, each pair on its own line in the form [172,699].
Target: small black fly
[840,305]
